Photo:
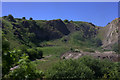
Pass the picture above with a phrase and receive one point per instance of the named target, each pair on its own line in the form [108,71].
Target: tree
[4,17]
[71,21]
[6,58]
[34,54]
[31,18]
[101,68]
[10,18]
[23,18]
[66,21]
[25,70]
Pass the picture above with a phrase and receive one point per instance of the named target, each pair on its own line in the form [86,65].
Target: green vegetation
[34,54]
[35,47]
[23,18]
[69,69]
[25,70]
[10,18]
[84,68]
[55,50]
[116,48]
[66,21]
[31,18]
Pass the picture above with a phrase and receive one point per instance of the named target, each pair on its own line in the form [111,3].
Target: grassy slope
[101,33]
[59,46]
[62,47]
[10,36]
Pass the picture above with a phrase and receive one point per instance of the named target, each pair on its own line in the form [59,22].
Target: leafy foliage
[66,21]
[23,18]
[34,54]
[97,42]
[6,59]
[23,41]
[31,18]
[10,18]
[84,68]
[116,47]
[69,69]
[25,70]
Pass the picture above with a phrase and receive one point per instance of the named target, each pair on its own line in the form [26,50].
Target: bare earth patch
[110,55]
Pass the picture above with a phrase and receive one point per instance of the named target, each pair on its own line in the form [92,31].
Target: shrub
[97,42]
[66,21]
[115,72]
[34,54]
[31,18]
[5,46]
[10,18]
[68,69]
[115,47]
[4,17]
[6,59]
[101,68]
[25,70]
[84,68]
[23,18]
[40,53]
[23,48]
[71,21]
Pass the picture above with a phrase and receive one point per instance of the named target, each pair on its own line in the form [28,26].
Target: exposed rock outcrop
[59,25]
[109,55]
[110,36]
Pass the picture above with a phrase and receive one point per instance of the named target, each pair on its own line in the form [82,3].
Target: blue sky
[99,13]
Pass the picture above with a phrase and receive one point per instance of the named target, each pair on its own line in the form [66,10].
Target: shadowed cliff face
[59,25]
[110,36]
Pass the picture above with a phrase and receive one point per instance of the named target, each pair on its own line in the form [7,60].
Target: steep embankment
[109,34]
[32,32]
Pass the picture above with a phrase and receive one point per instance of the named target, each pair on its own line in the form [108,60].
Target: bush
[68,69]
[84,68]
[31,18]
[6,59]
[66,21]
[5,46]
[4,17]
[23,18]
[25,70]
[97,42]
[102,68]
[116,48]
[71,21]
[115,72]
[10,18]
[34,54]
[23,48]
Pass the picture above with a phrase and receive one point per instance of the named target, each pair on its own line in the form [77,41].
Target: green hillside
[36,47]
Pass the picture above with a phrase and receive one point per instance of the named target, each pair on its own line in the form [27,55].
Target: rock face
[110,36]
[59,25]
[71,27]
[109,55]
